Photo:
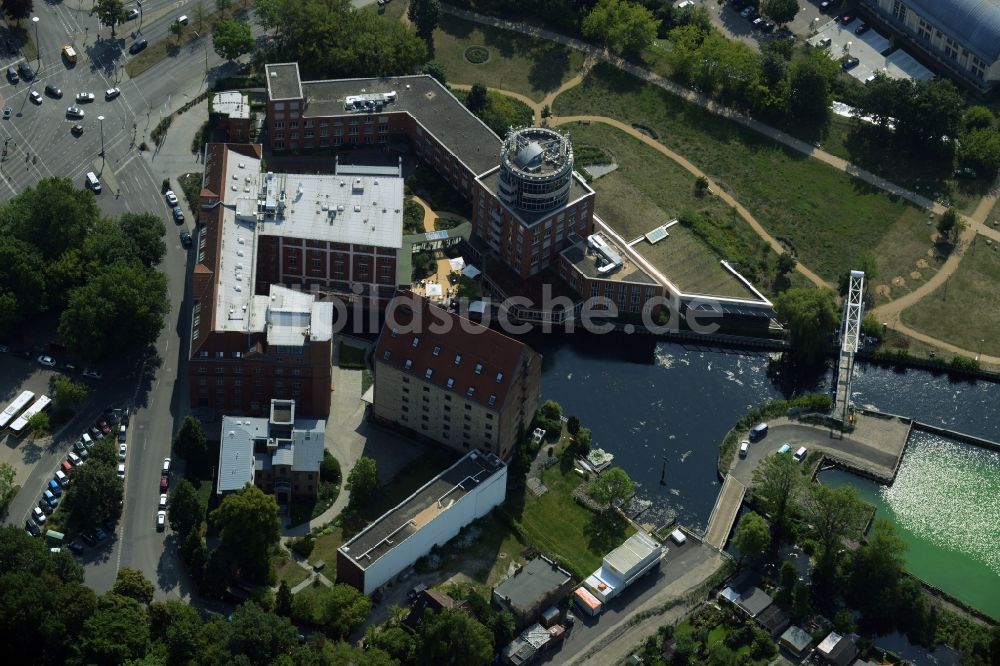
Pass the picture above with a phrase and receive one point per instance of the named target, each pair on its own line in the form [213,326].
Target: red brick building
[232,109]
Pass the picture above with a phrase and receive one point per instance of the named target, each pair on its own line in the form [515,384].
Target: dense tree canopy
[248,526]
[810,316]
[453,637]
[190,441]
[231,39]
[145,233]
[362,481]
[625,27]
[133,584]
[424,15]
[339,609]
[779,11]
[111,13]
[776,482]
[54,216]
[97,492]
[117,631]
[612,487]
[22,283]
[752,536]
[18,10]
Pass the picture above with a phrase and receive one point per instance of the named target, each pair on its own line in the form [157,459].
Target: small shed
[796,640]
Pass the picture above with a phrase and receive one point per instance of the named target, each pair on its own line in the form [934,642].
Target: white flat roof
[237,260]
[232,103]
[356,209]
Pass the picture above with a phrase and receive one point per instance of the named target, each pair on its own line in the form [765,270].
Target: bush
[477,55]
[165,185]
[191,187]
[413,217]
[159,132]
[304,546]
[964,364]
[329,469]
[445,223]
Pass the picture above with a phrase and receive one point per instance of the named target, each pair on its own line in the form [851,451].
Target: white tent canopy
[433,289]
[457,264]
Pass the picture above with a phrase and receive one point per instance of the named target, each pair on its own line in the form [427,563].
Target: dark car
[164,482]
[76,547]
[185,238]
[88,536]
[76,129]
[100,534]
[861,29]
[45,506]
[850,62]
[53,91]
[138,45]
[12,75]
[32,528]
[178,214]
[27,73]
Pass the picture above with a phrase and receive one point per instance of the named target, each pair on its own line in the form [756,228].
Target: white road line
[121,167]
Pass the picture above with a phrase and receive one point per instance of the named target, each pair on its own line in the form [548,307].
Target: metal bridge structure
[850,339]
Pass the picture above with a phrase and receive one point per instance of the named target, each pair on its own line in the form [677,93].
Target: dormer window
[437,350]
[386,355]
[408,364]
[479,368]
[451,382]
[458,359]
[499,377]
[416,341]
[492,401]
[430,371]
[395,333]
[471,390]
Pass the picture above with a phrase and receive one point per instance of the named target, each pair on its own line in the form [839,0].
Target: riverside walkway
[724,513]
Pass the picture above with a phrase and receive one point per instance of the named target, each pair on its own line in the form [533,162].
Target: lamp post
[38,47]
[139,4]
[979,350]
[100,119]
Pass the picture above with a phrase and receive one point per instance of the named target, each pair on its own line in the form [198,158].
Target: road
[39,144]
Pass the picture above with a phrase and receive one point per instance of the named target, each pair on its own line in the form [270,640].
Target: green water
[946,503]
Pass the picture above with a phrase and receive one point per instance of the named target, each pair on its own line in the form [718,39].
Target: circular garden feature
[477,55]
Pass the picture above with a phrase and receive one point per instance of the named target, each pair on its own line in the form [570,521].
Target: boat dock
[727,507]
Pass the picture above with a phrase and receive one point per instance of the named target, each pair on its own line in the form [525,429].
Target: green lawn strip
[648,190]
[351,357]
[171,46]
[965,311]
[897,254]
[288,570]
[519,63]
[326,547]
[826,216]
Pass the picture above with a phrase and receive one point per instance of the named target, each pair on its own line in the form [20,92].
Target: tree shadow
[605,532]
[549,67]
[455,27]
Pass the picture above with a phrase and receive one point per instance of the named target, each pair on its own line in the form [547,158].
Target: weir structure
[850,337]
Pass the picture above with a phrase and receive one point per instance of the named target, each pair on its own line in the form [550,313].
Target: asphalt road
[39,144]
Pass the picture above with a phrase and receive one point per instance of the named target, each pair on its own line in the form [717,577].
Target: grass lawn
[965,311]
[288,570]
[826,217]
[907,255]
[326,549]
[523,64]
[351,357]
[647,190]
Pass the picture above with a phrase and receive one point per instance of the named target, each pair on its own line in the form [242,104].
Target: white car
[74,459]
[131,13]
[171,198]
[111,93]
[166,465]
[93,374]
[47,361]
[163,501]
[35,97]
[121,470]
[39,515]
[122,450]
[161,520]
[84,97]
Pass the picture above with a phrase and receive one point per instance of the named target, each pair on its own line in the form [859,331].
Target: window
[416,341]
[315,264]
[451,382]
[479,368]
[428,374]
[427,389]
[406,390]
[499,377]
[408,364]
[386,355]
[492,401]
[203,369]
[437,350]
[458,359]
[395,333]
[470,391]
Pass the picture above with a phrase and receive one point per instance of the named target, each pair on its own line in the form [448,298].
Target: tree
[752,536]
[950,225]
[424,15]
[833,515]
[268,13]
[123,306]
[7,488]
[980,149]
[801,606]
[876,571]
[435,69]
[67,393]
[110,13]
[18,10]
[362,482]
[132,583]
[116,633]
[283,600]
[329,469]
[401,644]
[176,29]
[180,628]
[779,11]
[573,425]
[624,27]
[231,39]
[612,487]
[978,117]
[22,283]
[933,112]
[259,636]
[775,483]
[96,497]
[200,15]
[344,609]
[477,98]
[190,441]
[454,637]
[248,526]
[39,424]
[810,316]
[55,217]
[809,89]
[222,6]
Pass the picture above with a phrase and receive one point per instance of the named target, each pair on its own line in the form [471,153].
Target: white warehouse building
[431,516]
[626,564]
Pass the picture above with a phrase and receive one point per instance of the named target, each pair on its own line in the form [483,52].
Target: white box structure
[624,565]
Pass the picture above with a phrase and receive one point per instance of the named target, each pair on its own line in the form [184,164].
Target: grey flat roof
[578,189]
[536,580]
[408,517]
[797,637]
[283,80]
[974,23]
[587,264]
[433,106]
[236,450]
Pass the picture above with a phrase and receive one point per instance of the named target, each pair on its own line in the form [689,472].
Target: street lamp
[38,47]
[100,119]
[139,3]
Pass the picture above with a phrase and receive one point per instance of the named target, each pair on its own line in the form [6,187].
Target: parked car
[121,434]
[163,500]
[53,91]
[137,46]
[31,528]
[69,367]
[75,112]
[47,361]
[161,520]
[850,62]
[12,75]
[100,534]
[744,448]
[164,482]
[51,496]
[186,238]
[84,97]
[38,515]
[76,547]
[166,466]
[74,459]
[45,507]
[76,129]
[26,72]
[88,536]
[96,433]
[121,470]
[55,488]
[83,453]
[178,214]
[92,374]
[131,13]
[62,478]
[846,19]
[111,93]
[122,451]
[35,97]
[861,29]
[171,198]
[65,467]
[103,425]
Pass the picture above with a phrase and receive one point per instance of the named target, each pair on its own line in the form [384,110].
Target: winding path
[890,312]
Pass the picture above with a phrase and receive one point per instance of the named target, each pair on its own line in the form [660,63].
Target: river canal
[662,409]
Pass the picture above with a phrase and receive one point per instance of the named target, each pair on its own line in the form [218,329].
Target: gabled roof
[448,351]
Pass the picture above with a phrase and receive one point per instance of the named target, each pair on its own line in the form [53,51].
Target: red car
[103,425]
[164,482]
[846,18]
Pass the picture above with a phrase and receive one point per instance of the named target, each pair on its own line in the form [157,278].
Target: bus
[18,426]
[14,408]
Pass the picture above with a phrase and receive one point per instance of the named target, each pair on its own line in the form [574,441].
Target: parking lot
[872,50]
